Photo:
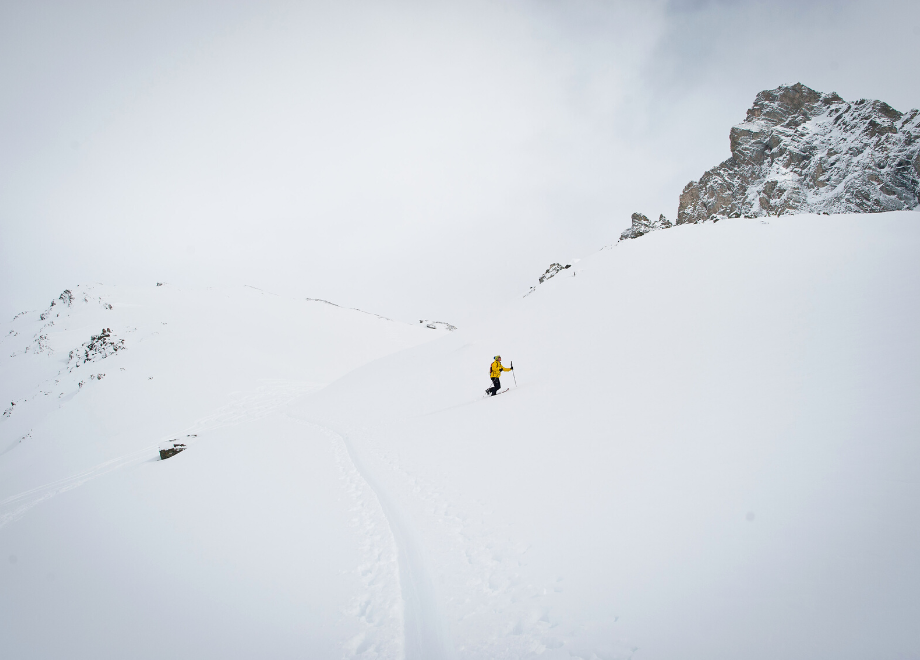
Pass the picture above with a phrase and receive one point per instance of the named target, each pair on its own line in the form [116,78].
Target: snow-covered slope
[108,552]
[129,366]
[710,452]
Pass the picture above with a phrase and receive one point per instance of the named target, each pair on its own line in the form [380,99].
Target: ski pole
[512,373]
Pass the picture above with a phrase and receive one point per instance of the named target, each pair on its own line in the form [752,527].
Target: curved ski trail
[424,632]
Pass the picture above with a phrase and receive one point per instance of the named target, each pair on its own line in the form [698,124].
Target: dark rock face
[801,151]
[171,448]
[641,225]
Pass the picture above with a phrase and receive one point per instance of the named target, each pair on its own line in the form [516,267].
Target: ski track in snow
[494,611]
[424,634]
[397,610]
[264,400]
[380,607]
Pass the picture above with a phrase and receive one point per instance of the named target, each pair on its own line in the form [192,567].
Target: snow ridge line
[425,635]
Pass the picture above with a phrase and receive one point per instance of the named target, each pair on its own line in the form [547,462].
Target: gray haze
[418,159]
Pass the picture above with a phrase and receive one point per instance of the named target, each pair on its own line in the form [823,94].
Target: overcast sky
[415,159]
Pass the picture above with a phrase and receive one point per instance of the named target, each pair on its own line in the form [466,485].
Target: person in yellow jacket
[495,373]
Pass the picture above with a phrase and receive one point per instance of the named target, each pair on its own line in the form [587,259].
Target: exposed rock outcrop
[801,151]
[552,270]
[66,298]
[170,449]
[98,347]
[641,225]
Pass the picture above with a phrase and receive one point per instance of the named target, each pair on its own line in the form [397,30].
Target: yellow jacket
[497,369]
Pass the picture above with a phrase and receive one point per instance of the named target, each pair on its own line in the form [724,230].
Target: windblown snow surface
[710,451]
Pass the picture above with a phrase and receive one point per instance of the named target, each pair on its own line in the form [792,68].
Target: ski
[487,395]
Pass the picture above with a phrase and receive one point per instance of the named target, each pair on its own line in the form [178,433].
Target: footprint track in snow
[493,609]
[496,612]
[379,606]
[425,635]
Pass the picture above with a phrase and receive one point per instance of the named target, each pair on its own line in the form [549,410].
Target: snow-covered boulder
[801,151]
[438,325]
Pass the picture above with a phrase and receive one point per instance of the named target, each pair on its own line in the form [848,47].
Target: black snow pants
[496,386]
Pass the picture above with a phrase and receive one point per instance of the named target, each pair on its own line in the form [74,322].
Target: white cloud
[417,159]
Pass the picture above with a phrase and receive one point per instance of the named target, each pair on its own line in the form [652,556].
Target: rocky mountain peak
[779,105]
[803,151]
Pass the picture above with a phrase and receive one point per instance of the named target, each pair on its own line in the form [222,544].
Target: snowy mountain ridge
[802,151]
[96,326]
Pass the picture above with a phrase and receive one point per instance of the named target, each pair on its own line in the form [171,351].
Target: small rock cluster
[39,345]
[98,347]
[66,298]
[552,270]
